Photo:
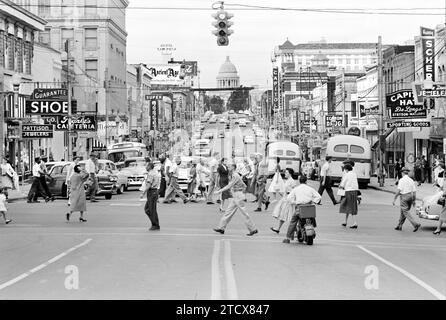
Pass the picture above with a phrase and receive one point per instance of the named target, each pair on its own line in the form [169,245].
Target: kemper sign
[401,105]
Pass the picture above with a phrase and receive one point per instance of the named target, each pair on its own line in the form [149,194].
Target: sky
[257,32]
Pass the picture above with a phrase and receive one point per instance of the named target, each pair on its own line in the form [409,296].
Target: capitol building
[228,76]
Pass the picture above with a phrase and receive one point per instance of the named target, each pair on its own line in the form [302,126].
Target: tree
[214,103]
[239,100]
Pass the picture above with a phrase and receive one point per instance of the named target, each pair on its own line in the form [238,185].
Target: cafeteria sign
[78,122]
[401,105]
[49,102]
[37,131]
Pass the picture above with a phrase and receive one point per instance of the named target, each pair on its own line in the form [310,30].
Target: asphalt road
[115,256]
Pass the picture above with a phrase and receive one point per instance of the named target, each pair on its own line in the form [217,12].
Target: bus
[289,153]
[119,152]
[348,147]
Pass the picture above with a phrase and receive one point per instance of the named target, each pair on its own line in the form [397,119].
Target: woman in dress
[443,210]
[7,174]
[277,185]
[223,180]
[284,209]
[349,204]
[78,201]
[3,206]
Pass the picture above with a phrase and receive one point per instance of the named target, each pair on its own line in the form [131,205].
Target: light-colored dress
[7,176]
[283,210]
[78,201]
[3,203]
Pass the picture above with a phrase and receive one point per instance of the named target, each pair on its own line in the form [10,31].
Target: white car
[249,139]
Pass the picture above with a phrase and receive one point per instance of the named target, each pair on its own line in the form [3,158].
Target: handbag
[341,192]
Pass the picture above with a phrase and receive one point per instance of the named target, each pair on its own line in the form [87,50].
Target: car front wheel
[121,189]
[108,196]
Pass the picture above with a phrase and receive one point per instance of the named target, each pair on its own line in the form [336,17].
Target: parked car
[135,169]
[58,176]
[107,180]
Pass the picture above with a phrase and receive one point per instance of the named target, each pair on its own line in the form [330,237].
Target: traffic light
[222,24]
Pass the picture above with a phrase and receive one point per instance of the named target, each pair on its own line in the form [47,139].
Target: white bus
[289,153]
[119,152]
[347,147]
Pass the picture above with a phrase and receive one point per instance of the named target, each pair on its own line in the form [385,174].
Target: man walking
[163,184]
[326,182]
[92,169]
[174,188]
[36,186]
[262,176]
[152,186]
[213,166]
[43,161]
[407,193]
[237,187]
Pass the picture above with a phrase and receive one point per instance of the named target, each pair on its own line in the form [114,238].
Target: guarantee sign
[401,105]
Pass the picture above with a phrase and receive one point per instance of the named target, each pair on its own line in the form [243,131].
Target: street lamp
[16,81]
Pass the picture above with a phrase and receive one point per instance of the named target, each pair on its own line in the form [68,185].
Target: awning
[386,135]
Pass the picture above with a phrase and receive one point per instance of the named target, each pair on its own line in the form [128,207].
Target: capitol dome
[227,76]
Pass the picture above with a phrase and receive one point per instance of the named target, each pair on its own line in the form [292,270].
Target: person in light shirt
[349,203]
[36,187]
[92,168]
[173,188]
[213,166]
[302,194]
[326,182]
[407,193]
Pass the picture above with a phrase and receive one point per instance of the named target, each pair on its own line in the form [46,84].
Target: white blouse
[350,181]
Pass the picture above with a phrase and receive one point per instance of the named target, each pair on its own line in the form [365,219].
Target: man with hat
[325,181]
[44,174]
[407,193]
[92,168]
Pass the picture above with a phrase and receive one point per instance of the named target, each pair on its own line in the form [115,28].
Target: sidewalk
[14,195]
[426,189]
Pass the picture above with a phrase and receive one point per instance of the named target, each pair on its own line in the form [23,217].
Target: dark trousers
[94,187]
[163,186]
[150,207]
[45,187]
[36,188]
[292,227]
[261,192]
[406,203]
[327,187]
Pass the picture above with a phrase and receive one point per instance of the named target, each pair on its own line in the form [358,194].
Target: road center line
[42,266]
[216,286]
[421,283]
[231,287]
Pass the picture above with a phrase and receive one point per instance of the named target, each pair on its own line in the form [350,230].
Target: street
[118,258]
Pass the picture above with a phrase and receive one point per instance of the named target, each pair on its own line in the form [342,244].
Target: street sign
[438,91]
[37,131]
[408,124]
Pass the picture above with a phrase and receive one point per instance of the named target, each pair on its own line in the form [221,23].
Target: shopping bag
[341,193]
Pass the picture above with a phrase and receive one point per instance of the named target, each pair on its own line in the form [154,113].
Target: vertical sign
[275,89]
[154,115]
[428,47]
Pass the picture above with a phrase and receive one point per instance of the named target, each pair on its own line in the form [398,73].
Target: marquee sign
[275,89]
[401,105]
[153,115]
[428,47]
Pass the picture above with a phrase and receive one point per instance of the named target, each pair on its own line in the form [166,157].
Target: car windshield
[122,155]
[135,163]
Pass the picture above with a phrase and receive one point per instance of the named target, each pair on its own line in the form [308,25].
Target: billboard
[165,74]
[401,105]
[275,89]
[154,115]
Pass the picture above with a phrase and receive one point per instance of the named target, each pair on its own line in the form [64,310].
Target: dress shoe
[8,221]
[286,241]
[354,226]
[398,228]
[82,220]
[219,231]
[186,201]
[94,200]
[47,200]
[267,205]
[67,216]
[416,228]
[253,233]
[274,230]
[437,232]
[218,201]
[210,202]
[258,210]
[154,228]
[166,202]
[344,224]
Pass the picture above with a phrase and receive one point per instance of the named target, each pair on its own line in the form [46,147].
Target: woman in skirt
[277,185]
[349,203]
[283,211]
[192,183]
[78,200]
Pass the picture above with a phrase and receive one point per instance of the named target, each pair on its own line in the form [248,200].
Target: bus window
[290,153]
[356,149]
[343,148]
[278,152]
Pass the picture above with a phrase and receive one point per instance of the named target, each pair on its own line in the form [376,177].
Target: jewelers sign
[37,131]
[401,105]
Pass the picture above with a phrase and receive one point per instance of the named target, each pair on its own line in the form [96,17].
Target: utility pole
[343,102]
[3,97]
[106,106]
[67,49]
[381,113]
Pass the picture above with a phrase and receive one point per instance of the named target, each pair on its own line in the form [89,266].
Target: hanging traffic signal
[222,24]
